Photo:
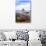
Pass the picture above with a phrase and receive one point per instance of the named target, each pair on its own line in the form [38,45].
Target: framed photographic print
[23,11]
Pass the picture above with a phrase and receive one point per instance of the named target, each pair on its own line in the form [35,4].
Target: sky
[19,2]
[23,4]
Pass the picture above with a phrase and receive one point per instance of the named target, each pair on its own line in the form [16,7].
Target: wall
[7,15]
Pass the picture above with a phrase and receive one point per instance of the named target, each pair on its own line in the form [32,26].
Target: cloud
[25,6]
